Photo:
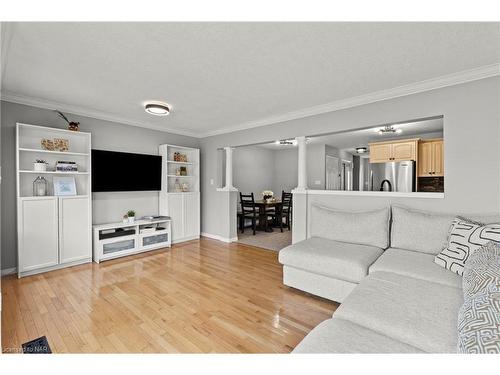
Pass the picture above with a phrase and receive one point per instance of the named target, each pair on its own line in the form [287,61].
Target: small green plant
[131,213]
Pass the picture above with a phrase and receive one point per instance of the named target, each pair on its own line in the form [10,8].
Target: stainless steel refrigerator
[394,176]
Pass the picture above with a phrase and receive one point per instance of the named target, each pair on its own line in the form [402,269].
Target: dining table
[264,206]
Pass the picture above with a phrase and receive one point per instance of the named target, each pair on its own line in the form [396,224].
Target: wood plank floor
[198,297]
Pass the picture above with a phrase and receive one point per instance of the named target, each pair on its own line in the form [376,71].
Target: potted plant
[131,216]
[40,165]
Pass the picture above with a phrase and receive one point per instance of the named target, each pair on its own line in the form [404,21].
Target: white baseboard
[8,271]
[219,238]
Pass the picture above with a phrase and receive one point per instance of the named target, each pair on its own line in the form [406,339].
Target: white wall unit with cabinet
[53,231]
[180,194]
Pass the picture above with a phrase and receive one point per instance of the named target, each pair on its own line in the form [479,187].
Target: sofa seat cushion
[341,260]
[417,265]
[342,336]
[416,312]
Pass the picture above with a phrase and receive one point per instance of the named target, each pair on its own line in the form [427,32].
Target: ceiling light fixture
[157,109]
[388,129]
[361,150]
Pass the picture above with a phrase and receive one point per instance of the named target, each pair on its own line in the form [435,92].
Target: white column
[302,171]
[229,169]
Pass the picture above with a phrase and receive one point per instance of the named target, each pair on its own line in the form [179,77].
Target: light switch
[317,182]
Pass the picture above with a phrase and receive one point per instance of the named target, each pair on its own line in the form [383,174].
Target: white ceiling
[349,140]
[221,77]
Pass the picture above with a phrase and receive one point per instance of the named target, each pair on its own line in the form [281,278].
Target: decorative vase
[74,126]
[40,187]
[40,167]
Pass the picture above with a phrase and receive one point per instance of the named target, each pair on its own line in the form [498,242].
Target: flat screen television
[123,171]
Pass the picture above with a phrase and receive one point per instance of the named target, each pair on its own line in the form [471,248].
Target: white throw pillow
[464,238]
[365,228]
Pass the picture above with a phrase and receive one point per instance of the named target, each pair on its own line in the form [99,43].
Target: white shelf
[54,172]
[181,162]
[53,152]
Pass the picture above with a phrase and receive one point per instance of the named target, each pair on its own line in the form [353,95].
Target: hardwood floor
[198,297]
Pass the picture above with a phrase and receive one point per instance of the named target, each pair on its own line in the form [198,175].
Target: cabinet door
[438,159]
[380,153]
[74,229]
[403,151]
[191,215]
[425,164]
[175,211]
[38,229]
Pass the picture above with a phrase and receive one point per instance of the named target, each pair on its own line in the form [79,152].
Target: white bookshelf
[182,205]
[53,232]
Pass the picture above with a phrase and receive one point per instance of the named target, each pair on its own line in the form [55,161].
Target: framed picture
[64,186]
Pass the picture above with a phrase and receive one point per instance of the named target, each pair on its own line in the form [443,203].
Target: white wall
[472,140]
[106,135]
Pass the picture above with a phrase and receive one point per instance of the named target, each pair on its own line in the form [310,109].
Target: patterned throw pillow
[482,269]
[465,237]
[479,322]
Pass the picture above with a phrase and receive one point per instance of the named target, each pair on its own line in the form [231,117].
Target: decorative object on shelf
[185,187]
[66,166]
[64,186]
[125,219]
[131,216]
[61,144]
[267,195]
[177,186]
[180,157]
[40,165]
[183,171]
[47,144]
[40,187]
[74,126]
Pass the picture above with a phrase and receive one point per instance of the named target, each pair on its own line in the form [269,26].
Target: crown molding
[8,96]
[413,88]
[377,96]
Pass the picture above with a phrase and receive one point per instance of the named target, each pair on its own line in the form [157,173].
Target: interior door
[38,243]
[332,173]
[74,229]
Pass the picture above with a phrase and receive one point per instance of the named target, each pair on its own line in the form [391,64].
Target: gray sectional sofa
[380,266]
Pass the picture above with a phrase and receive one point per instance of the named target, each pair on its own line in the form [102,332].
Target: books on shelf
[66,166]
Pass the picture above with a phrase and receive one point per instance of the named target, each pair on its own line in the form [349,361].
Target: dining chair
[248,211]
[286,209]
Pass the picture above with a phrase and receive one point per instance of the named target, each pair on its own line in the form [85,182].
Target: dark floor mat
[37,346]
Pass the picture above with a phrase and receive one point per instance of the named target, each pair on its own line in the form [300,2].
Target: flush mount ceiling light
[157,109]
[388,129]
[361,150]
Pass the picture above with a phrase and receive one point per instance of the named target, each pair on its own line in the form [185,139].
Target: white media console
[115,240]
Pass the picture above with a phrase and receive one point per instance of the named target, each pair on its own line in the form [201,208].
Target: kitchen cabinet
[431,158]
[384,152]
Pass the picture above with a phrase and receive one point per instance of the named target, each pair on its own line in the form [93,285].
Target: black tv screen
[123,171]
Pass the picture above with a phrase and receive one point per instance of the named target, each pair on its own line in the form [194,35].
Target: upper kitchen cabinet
[383,152]
[431,158]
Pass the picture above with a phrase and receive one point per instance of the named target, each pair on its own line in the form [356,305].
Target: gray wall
[472,160]
[253,169]
[106,135]
[285,170]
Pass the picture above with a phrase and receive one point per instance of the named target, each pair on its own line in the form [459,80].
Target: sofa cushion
[414,264]
[482,269]
[479,322]
[365,228]
[465,237]
[342,336]
[420,231]
[416,312]
[341,260]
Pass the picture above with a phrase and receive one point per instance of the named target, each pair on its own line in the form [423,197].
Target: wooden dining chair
[286,209]
[248,211]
